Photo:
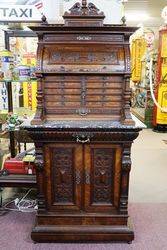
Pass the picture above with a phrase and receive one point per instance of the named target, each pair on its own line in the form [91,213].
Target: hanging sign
[3,96]
[6,65]
[19,13]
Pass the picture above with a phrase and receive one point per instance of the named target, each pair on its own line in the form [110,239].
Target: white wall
[2,38]
[51,10]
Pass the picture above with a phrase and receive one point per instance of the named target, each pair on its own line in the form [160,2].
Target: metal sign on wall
[17,11]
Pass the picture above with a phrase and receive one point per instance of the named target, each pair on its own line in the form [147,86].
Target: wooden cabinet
[83,129]
[83,177]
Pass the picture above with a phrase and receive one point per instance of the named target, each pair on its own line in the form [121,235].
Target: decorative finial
[84,3]
[123,19]
[44,20]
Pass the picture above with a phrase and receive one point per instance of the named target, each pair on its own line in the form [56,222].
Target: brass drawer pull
[78,177]
[83,140]
[83,111]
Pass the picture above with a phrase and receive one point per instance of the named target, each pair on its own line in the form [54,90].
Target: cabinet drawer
[83,38]
[84,95]
[84,137]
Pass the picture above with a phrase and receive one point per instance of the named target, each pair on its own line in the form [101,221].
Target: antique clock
[83,129]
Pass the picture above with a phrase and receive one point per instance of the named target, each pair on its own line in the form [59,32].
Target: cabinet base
[82,233]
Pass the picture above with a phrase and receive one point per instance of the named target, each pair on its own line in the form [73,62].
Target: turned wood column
[39,116]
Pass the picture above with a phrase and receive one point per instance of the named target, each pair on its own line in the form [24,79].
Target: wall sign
[3,96]
[13,12]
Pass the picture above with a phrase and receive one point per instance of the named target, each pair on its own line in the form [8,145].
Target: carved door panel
[102,177]
[64,167]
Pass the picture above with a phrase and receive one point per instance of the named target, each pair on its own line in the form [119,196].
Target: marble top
[84,124]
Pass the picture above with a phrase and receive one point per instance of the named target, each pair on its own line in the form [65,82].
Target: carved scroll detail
[126,160]
[39,161]
[84,9]
[39,164]
[126,167]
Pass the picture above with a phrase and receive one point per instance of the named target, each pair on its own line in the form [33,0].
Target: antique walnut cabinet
[83,129]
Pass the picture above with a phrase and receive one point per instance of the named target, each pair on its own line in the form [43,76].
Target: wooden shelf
[18,181]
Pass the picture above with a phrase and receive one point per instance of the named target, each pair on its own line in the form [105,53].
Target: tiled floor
[149,170]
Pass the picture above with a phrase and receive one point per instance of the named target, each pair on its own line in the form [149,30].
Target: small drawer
[83,38]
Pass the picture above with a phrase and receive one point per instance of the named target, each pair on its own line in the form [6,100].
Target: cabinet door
[102,177]
[63,170]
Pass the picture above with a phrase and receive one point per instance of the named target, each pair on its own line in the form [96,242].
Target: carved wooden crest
[83,14]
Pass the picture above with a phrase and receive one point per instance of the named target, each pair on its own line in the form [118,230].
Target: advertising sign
[21,12]
[3,96]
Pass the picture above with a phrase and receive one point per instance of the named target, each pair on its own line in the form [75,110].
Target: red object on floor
[17,166]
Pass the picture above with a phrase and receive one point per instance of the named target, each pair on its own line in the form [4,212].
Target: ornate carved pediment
[84,15]
[80,9]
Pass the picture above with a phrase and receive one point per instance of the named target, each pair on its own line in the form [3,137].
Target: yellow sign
[164,45]
[29,94]
[162,100]
[137,52]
